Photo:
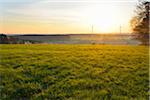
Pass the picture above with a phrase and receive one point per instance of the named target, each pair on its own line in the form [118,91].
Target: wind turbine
[120,29]
[92,29]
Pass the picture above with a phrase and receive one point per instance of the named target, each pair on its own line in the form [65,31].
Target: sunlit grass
[74,72]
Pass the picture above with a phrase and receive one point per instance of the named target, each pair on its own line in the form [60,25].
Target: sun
[103,18]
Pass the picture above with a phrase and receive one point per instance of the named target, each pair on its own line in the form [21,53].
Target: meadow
[74,72]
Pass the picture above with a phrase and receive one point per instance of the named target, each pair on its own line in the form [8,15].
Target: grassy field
[74,72]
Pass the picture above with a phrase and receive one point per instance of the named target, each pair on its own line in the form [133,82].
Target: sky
[66,16]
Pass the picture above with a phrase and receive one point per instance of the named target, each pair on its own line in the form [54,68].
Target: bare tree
[140,22]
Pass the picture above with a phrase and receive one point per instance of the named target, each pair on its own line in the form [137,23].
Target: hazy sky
[65,16]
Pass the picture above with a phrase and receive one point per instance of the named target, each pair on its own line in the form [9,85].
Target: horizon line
[62,33]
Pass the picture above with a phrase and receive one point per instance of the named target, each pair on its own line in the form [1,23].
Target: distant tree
[3,39]
[140,22]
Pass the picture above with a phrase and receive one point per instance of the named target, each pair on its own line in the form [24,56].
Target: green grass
[74,72]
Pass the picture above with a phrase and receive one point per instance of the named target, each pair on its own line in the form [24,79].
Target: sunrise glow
[49,16]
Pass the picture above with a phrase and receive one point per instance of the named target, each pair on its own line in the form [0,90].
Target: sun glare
[103,18]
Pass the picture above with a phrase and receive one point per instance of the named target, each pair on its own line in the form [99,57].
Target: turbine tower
[120,29]
[92,29]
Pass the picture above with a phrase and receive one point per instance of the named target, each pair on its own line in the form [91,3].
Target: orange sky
[49,16]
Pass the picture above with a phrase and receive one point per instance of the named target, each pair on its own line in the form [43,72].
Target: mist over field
[115,39]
